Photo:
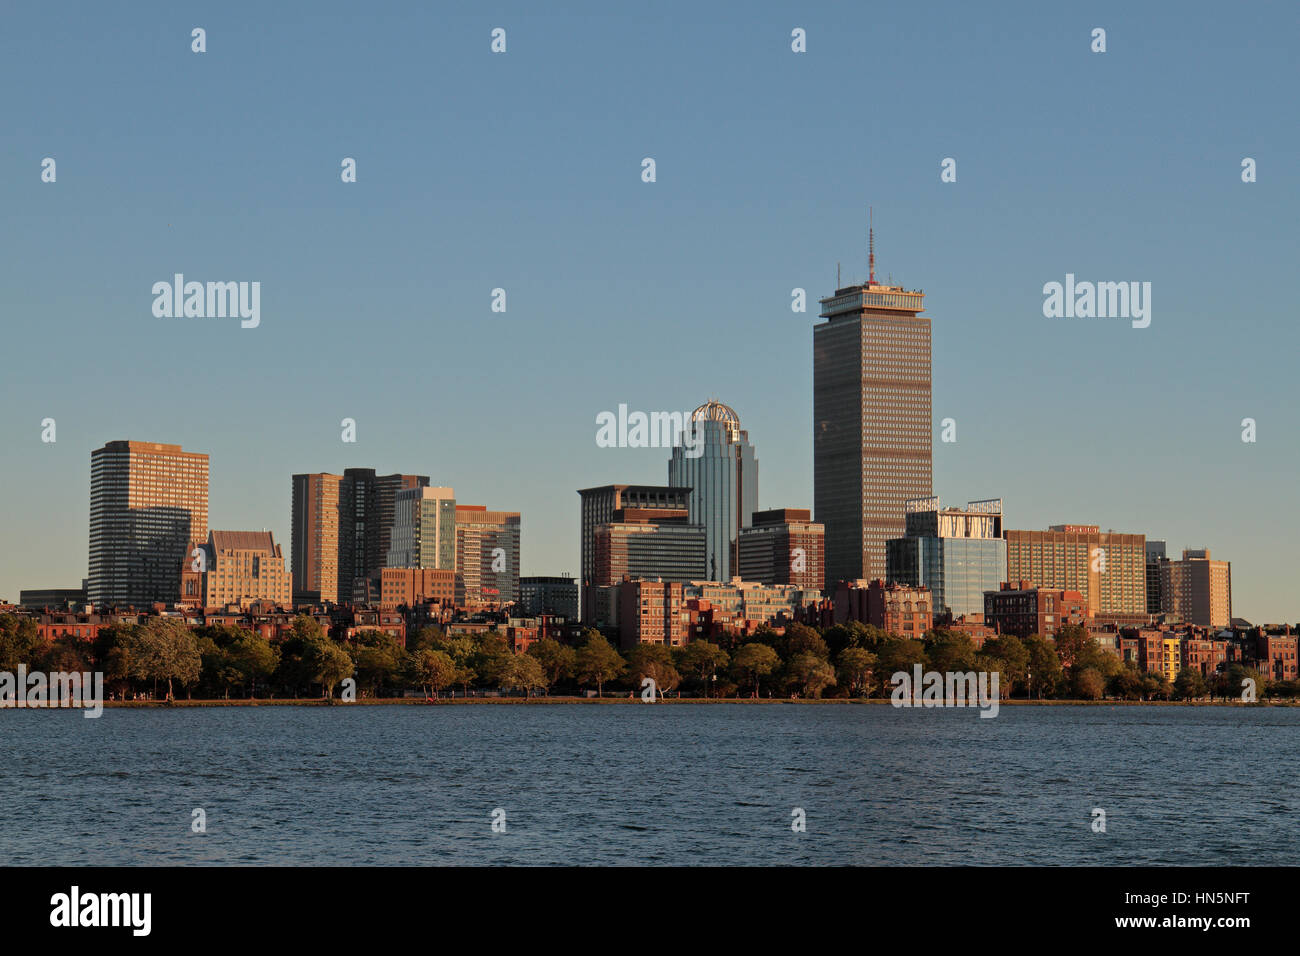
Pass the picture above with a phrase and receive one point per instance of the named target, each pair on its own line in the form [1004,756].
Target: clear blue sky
[522,171]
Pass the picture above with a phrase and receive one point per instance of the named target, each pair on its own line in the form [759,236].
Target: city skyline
[469,544]
[1073,173]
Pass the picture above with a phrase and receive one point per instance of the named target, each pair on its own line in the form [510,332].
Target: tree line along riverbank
[162,658]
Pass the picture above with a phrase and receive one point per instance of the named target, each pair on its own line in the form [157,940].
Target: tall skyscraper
[424,529]
[487,556]
[871,421]
[148,501]
[314,540]
[342,526]
[723,481]
[958,553]
[367,504]
[1156,559]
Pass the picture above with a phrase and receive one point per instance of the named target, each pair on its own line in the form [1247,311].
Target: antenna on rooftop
[871,247]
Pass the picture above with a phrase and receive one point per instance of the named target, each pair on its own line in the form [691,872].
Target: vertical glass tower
[958,553]
[723,482]
[871,422]
[424,529]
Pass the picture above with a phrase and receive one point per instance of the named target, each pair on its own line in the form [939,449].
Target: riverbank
[521,701]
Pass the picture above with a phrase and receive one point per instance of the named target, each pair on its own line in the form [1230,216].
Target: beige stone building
[235,568]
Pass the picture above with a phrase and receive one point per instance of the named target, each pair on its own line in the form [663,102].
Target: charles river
[644,784]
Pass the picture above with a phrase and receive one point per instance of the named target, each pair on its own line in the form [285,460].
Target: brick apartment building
[1026,610]
[898,609]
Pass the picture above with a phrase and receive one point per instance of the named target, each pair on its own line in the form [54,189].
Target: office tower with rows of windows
[599,506]
[367,505]
[342,530]
[424,529]
[314,538]
[549,594]
[1106,567]
[871,422]
[487,556]
[784,546]
[148,501]
[1197,589]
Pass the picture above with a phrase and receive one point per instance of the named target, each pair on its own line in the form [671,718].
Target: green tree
[380,660]
[1231,681]
[988,664]
[524,673]
[1126,683]
[216,673]
[1089,684]
[460,649]
[655,662]
[597,662]
[492,659]
[950,651]
[557,660]
[1044,672]
[1078,651]
[299,655]
[20,642]
[113,655]
[252,658]
[306,628]
[427,638]
[837,638]
[1074,645]
[765,635]
[895,654]
[702,660]
[801,639]
[1190,684]
[465,675]
[329,664]
[165,649]
[855,668]
[434,670]
[810,673]
[1155,684]
[752,662]
[1014,658]
[66,654]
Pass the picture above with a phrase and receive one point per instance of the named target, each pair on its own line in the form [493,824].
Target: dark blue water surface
[644,784]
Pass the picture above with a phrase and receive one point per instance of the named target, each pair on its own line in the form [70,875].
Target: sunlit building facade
[723,482]
[958,553]
[871,422]
[148,501]
[1106,567]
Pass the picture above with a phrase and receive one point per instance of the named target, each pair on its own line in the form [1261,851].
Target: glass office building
[957,553]
[723,483]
